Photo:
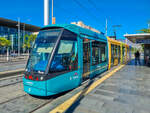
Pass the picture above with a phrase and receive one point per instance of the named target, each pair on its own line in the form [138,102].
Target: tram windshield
[42,50]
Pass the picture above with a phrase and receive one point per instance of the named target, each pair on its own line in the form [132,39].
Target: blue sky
[130,14]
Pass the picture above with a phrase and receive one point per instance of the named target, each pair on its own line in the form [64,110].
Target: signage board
[143,41]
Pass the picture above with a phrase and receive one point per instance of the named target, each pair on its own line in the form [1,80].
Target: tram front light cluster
[26,76]
[37,78]
[30,77]
[41,78]
[33,78]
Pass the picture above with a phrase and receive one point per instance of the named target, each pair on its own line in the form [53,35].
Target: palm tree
[28,41]
[144,31]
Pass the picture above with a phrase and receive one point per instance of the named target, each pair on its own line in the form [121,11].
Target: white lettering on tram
[31,83]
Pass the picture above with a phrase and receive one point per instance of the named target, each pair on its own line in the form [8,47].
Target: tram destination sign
[143,41]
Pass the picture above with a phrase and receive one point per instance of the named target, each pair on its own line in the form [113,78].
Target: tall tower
[46,12]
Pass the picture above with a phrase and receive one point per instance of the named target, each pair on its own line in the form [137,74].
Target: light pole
[23,35]
[18,36]
[115,26]
[149,24]
[106,28]
[52,11]
[46,12]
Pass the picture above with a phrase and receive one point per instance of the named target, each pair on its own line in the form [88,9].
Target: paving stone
[127,91]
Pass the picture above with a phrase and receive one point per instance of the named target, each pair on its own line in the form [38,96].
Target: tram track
[10,84]
[12,94]
[10,80]
[24,103]
[13,99]
[41,106]
[11,73]
[34,106]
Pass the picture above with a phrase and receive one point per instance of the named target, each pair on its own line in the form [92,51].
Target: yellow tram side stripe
[64,106]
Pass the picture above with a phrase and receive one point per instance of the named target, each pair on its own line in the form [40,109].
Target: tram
[119,52]
[63,56]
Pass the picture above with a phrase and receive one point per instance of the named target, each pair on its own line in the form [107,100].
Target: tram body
[62,57]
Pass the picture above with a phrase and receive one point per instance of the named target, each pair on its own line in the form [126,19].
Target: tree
[28,41]
[32,38]
[144,31]
[5,43]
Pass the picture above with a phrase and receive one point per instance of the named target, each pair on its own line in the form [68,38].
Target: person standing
[137,58]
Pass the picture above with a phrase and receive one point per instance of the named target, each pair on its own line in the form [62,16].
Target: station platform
[126,91]
[10,66]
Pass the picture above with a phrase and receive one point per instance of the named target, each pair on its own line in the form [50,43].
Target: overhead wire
[69,12]
[96,8]
[93,4]
[87,11]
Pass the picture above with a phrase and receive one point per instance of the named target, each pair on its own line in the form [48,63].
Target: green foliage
[142,46]
[144,31]
[32,37]
[28,40]
[4,42]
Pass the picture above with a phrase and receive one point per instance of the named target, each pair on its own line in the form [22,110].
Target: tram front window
[42,50]
[66,56]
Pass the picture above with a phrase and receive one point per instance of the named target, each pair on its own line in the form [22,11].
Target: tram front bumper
[34,91]
[34,87]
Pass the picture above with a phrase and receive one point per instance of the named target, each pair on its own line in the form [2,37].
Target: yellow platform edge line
[64,106]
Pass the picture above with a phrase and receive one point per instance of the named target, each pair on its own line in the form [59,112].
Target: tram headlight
[41,78]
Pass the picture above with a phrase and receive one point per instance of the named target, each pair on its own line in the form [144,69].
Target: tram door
[119,54]
[112,55]
[86,58]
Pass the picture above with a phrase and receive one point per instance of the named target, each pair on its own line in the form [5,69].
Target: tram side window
[103,52]
[95,53]
[98,52]
[66,56]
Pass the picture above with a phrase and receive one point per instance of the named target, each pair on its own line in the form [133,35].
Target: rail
[13,58]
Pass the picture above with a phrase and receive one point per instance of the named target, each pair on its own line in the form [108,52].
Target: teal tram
[63,56]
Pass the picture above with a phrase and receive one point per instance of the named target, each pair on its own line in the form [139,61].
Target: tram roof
[78,30]
[115,42]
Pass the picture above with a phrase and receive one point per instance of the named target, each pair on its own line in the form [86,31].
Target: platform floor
[127,91]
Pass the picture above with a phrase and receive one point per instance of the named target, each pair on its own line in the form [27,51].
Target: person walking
[137,58]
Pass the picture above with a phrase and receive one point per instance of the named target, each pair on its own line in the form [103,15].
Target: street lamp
[23,35]
[18,36]
[115,26]
[148,24]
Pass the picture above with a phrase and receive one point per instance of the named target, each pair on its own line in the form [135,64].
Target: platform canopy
[141,38]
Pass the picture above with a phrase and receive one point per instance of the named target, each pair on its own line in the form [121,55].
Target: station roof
[13,24]
[139,38]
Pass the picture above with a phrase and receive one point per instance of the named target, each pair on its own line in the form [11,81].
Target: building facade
[81,24]
[11,31]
